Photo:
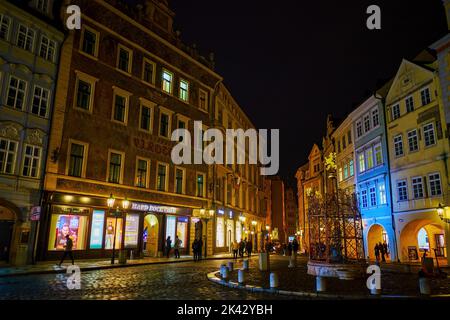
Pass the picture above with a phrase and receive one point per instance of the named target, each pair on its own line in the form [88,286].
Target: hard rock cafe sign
[152,208]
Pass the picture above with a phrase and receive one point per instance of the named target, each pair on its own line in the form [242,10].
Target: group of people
[244,246]
[381,249]
[176,247]
[197,246]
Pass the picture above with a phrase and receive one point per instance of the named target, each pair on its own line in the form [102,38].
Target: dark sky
[290,63]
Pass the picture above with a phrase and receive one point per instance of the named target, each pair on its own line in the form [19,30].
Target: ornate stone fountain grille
[335,231]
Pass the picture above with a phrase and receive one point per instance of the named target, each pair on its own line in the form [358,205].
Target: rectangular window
[203,100]
[345,171]
[351,168]
[89,42]
[179,180]
[97,226]
[74,225]
[359,129]
[398,145]
[47,49]
[76,159]
[181,125]
[349,137]
[362,163]
[413,141]
[120,108]
[382,193]
[164,125]
[25,38]
[110,233]
[395,111]
[373,196]
[417,184]
[115,167]
[40,101]
[184,90]
[124,59]
[145,123]
[8,153]
[364,201]
[167,81]
[428,134]
[409,104]
[435,184]
[402,190]
[142,167]
[148,71]
[369,155]
[200,185]
[378,155]
[162,177]
[344,144]
[366,123]
[425,96]
[5,23]
[375,118]
[84,93]
[16,93]
[31,161]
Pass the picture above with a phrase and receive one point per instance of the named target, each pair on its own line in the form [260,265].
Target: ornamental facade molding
[34,137]
[10,130]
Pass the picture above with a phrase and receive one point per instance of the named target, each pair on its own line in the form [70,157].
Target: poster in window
[170,228]
[182,233]
[220,232]
[73,225]
[131,230]
[98,220]
[109,233]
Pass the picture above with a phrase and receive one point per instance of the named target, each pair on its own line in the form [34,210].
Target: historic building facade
[418,155]
[291,213]
[372,176]
[29,55]
[345,158]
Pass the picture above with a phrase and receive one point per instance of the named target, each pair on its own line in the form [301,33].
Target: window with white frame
[89,43]
[359,128]
[395,111]
[364,200]
[5,23]
[77,159]
[369,156]
[375,117]
[167,81]
[428,134]
[200,186]
[84,90]
[203,100]
[179,181]
[25,38]
[417,184]
[402,190]
[47,48]
[345,171]
[115,167]
[398,145]
[40,101]
[161,180]
[361,162]
[146,115]
[373,196]
[124,59]
[16,93]
[164,124]
[378,154]
[8,155]
[148,71]
[31,161]
[366,121]
[409,102]
[425,96]
[184,90]
[413,140]
[121,103]
[382,193]
[142,172]
[351,168]
[435,184]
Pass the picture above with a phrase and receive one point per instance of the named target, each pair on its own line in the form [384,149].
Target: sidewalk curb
[212,276]
[113,266]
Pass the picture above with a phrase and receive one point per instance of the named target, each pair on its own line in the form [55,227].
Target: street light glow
[110,201]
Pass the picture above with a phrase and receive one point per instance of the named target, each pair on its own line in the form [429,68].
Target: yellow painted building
[418,153]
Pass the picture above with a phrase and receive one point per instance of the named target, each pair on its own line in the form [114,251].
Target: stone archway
[377,234]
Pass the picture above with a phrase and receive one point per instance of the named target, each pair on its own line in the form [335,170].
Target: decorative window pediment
[35,137]
[10,130]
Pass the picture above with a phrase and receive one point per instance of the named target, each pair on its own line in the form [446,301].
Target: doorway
[150,236]
[7,219]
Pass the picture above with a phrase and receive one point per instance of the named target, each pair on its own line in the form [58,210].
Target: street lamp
[206,215]
[441,210]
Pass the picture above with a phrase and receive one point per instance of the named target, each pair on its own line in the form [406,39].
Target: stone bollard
[225,273]
[273,280]
[230,266]
[245,265]
[222,267]
[424,285]
[321,285]
[241,276]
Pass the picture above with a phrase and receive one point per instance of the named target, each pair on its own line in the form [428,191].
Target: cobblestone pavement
[394,281]
[186,280]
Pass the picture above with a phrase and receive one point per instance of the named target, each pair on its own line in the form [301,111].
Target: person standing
[249,248]
[383,259]
[67,250]
[289,248]
[195,249]
[377,252]
[176,247]
[241,248]
[235,249]
[168,246]
[386,250]
[295,247]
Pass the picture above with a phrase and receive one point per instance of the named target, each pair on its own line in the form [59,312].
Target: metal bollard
[222,267]
[245,265]
[273,280]
[424,284]
[241,276]
[230,266]
[225,273]
[321,285]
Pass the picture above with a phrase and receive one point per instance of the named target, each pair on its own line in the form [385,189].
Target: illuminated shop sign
[151,207]
[220,211]
[183,219]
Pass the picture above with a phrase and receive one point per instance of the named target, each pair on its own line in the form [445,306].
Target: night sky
[290,63]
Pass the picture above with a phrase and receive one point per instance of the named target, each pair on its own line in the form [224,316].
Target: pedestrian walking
[168,246]
[241,248]
[176,247]
[249,248]
[67,250]
[377,252]
[235,249]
